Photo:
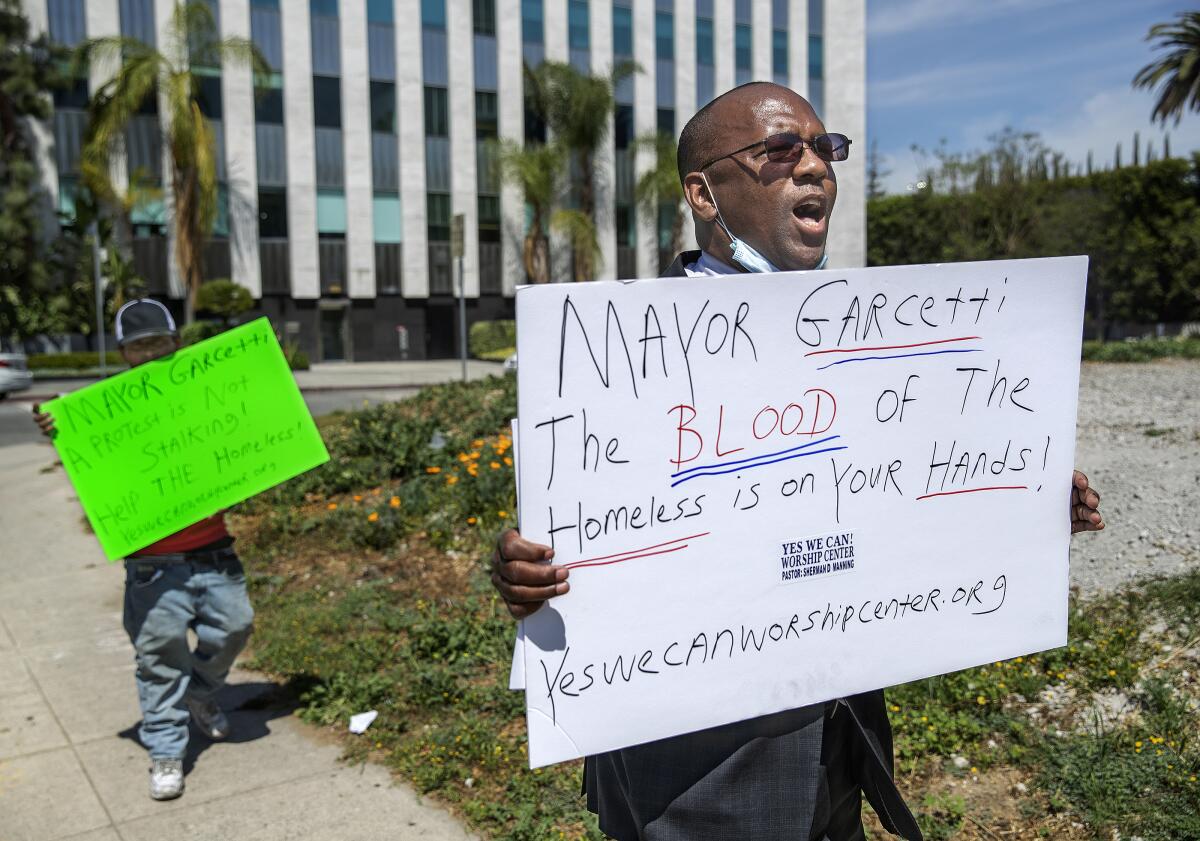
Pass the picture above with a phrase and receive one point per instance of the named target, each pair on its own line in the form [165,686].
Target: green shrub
[297,359]
[491,336]
[223,298]
[1142,350]
[72,361]
[198,331]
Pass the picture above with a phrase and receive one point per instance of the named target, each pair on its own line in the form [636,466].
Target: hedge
[72,361]
[491,336]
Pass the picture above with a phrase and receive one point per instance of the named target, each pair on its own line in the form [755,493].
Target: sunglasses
[788,147]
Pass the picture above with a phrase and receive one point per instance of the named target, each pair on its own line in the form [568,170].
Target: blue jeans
[162,601]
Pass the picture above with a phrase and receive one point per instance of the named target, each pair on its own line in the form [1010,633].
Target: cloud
[899,17]
[978,80]
[1111,116]
[1098,123]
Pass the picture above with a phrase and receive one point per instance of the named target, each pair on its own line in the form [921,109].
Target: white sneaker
[209,719]
[166,779]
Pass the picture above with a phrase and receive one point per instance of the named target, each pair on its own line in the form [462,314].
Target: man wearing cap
[190,579]
[757,169]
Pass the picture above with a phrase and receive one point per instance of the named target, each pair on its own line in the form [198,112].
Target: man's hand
[1085,501]
[44,420]
[522,576]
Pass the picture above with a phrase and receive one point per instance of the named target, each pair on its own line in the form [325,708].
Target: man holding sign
[757,168]
[189,579]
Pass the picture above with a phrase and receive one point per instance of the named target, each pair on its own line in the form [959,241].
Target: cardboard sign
[166,444]
[775,490]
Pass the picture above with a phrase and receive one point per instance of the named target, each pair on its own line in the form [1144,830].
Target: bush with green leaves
[224,299]
[76,360]
[198,331]
[492,337]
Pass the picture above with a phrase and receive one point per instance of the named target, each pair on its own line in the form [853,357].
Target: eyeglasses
[788,147]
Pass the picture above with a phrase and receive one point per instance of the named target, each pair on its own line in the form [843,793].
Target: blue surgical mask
[744,254]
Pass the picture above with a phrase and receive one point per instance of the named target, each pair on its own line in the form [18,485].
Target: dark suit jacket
[780,777]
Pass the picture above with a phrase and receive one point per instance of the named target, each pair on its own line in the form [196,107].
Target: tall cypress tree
[27,71]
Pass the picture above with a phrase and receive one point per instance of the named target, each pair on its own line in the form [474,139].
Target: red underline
[977,490]
[627,551]
[891,347]
[582,565]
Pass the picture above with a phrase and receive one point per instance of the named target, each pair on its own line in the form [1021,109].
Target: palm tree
[192,41]
[537,169]
[1177,74]
[659,186]
[576,108]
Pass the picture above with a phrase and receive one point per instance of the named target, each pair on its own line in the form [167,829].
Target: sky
[960,70]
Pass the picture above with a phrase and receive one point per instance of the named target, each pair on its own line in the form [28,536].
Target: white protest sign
[774,490]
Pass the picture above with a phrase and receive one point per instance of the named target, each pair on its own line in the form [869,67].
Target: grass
[370,583]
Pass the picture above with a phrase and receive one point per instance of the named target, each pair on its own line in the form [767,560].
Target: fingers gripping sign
[523,575]
[44,420]
[1085,505]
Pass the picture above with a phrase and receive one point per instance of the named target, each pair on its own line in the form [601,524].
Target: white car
[14,375]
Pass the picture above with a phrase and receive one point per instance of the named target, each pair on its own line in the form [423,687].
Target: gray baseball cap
[141,318]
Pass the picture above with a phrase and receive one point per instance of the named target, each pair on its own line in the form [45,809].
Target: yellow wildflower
[332,506]
[471,521]
[394,502]
[433,470]
[508,461]
[502,514]
[358,497]
[450,480]
[495,465]
[373,517]
[981,700]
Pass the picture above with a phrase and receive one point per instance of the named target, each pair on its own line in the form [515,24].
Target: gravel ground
[1139,442]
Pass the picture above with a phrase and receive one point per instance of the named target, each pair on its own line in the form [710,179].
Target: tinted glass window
[327,101]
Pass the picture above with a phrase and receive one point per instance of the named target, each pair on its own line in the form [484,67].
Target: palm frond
[1176,75]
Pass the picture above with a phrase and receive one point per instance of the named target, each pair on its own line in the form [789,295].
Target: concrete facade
[434,163]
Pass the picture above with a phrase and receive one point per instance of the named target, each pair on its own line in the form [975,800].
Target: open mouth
[810,212]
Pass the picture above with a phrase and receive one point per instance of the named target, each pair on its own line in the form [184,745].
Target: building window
[486,116]
[323,7]
[742,12]
[268,105]
[327,101]
[386,213]
[704,41]
[532,25]
[489,218]
[664,36]
[816,57]
[437,212]
[622,30]
[272,214]
[331,212]
[265,4]
[437,112]
[779,52]
[483,15]
[433,14]
[577,25]
[75,95]
[380,11]
[623,127]
[208,95]
[383,107]
[816,16]
[666,121]
[742,48]
[779,14]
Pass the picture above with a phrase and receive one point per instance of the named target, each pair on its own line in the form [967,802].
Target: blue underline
[753,458]
[897,356]
[759,464]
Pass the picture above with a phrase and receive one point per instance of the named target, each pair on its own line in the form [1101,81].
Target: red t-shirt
[199,534]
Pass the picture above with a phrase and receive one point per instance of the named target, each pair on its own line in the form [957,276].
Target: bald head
[779,207]
[706,134]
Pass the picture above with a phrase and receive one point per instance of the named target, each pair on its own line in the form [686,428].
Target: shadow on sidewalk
[250,707]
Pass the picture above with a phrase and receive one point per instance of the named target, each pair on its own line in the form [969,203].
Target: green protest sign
[166,444]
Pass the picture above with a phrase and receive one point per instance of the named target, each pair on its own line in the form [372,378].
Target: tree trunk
[584,263]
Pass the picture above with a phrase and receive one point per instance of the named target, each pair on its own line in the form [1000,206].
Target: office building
[340,173]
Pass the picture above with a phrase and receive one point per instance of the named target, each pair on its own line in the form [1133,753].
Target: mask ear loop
[720,219]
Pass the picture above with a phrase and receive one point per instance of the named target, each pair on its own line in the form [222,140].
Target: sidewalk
[70,765]
[331,376]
